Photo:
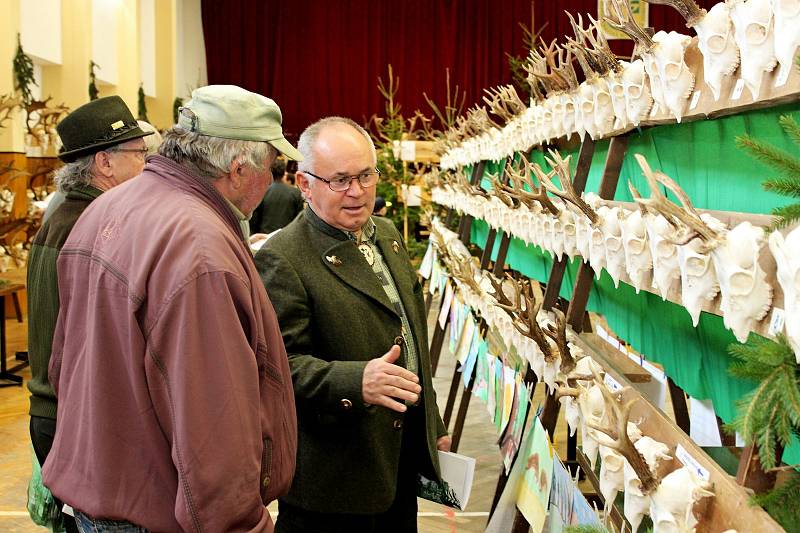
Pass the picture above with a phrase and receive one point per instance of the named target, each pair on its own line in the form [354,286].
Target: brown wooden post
[679,407]
[751,474]
[579,184]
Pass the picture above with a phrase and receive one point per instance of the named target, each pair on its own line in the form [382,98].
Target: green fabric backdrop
[702,157]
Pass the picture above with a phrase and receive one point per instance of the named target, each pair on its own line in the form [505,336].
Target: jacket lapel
[346,262]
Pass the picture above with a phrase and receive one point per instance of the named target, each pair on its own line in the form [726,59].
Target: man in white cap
[172,379]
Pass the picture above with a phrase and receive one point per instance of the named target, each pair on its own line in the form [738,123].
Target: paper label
[408,150]
[738,89]
[695,100]
[601,332]
[612,383]
[654,110]
[691,463]
[448,300]
[776,323]
[783,76]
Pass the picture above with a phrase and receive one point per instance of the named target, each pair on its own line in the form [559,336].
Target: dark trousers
[401,517]
[43,431]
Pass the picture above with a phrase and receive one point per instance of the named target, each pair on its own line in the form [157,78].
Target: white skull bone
[753,30]
[786,251]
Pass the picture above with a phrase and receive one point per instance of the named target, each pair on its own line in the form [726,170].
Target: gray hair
[211,157]
[305,145]
[74,174]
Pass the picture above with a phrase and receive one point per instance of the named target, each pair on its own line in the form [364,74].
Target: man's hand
[443,443]
[384,381]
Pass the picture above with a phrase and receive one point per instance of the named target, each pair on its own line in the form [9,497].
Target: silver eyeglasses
[342,183]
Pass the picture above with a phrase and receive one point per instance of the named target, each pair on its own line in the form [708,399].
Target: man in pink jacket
[175,402]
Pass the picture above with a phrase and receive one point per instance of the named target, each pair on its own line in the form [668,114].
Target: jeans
[87,524]
[43,431]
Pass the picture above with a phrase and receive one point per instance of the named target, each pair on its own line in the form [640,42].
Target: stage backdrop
[318,58]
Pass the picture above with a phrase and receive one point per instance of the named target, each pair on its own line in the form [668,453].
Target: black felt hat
[92,127]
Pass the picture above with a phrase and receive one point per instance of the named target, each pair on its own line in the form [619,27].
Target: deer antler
[568,194]
[686,221]
[7,105]
[523,313]
[503,192]
[558,334]
[620,17]
[462,269]
[688,9]
[637,197]
[537,194]
[617,415]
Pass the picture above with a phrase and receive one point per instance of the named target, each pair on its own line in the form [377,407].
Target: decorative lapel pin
[396,247]
[332,259]
[368,254]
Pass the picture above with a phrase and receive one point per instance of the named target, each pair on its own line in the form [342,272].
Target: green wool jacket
[335,317]
[43,294]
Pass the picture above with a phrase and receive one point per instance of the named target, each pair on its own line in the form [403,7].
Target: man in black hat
[103,146]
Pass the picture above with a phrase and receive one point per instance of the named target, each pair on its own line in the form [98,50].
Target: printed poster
[466,340]
[562,492]
[583,514]
[492,362]
[534,491]
[472,357]
[426,267]
[481,388]
[509,444]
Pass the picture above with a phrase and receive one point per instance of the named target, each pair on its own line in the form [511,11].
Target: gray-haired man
[175,394]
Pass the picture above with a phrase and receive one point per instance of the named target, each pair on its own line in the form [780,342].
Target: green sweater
[43,294]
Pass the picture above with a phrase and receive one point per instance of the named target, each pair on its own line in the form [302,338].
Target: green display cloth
[702,157]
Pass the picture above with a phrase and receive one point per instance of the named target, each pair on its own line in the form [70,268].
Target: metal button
[399,340]
[266,482]
[346,404]
[398,424]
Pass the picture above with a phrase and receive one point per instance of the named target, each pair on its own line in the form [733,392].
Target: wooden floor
[479,441]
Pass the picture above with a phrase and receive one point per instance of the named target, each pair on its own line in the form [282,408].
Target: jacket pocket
[266,469]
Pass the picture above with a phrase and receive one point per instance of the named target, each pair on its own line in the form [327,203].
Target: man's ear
[102,164]
[304,184]
[235,173]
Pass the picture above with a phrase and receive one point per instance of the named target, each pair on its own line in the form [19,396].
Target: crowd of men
[181,383]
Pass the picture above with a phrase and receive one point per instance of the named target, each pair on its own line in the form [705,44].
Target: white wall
[40,30]
[147,46]
[104,40]
[191,49]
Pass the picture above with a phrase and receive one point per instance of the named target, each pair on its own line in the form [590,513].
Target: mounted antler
[7,105]
[568,194]
[558,334]
[688,9]
[620,17]
[462,269]
[686,221]
[537,194]
[503,192]
[637,198]
[504,102]
[523,313]
[616,419]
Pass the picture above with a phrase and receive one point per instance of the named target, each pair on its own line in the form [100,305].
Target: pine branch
[791,127]
[781,503]
[787,215]
[787,186]
[770,414]
[770,156]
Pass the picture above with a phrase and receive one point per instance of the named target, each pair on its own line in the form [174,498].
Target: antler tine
[618,414]
[625,23]
[502,301]
[600,43]
[559,336]
[637,197]
[687,222]
[462,269]
[534,330]
[688,9]
[561,167]
[501,191]
[538,194]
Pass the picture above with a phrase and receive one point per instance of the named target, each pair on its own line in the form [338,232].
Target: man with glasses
[103,146]
[353,321]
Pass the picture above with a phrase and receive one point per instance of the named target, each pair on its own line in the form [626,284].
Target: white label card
[695,99]
[612,383]
[738,89]
[448,300]
[654,110]
[691,463]
[776,323]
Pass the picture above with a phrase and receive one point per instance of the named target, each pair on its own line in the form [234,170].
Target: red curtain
[318,58]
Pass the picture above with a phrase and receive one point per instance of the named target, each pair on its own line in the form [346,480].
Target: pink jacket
[175,402]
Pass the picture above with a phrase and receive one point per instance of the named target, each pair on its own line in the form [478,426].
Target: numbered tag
[783,77]
[691,463]
[776,323]
[738,89]
[612,383]
[695,99]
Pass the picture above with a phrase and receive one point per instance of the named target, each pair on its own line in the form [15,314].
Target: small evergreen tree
[23,74]
[176,109]
[93,91]
[142,108]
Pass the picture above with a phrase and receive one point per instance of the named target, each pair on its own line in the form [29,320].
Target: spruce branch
[770,414]
[783,185]
[23,73]
[791,128]
[781,502]
[94,93]
[787,215]
[771,156]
